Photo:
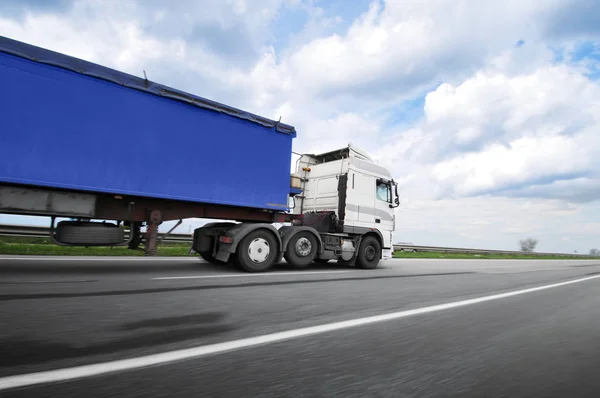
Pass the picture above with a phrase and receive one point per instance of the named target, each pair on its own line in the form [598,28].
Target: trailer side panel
[64,129]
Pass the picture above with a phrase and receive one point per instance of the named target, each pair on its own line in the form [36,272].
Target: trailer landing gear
[152,233]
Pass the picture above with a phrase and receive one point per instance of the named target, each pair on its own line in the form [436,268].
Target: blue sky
[486,112]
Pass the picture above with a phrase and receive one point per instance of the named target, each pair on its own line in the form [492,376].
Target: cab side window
[384,192]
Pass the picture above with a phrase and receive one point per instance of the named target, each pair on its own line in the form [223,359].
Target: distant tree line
[528,245]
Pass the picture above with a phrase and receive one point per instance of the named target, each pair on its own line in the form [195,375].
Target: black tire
[209,258]
[278,259]
[301,250]
[369,253]
[233,260]
[89,234]
[134,229]
[256,242]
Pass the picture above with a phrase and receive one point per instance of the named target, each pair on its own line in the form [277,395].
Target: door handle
[378,220]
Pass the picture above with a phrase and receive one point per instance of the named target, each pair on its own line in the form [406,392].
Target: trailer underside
[131,210]
[63,203]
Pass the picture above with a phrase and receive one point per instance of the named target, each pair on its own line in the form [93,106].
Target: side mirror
[397,199]
[291,202]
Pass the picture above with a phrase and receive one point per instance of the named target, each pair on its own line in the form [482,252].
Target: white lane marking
[488,260]
[248,275]
[121,365]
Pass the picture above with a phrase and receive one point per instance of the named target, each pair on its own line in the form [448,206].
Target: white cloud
[539,103]
[194,46]
[390,53]
[399,47]
[498,133]
[117,43]
[524,161]
[499,223]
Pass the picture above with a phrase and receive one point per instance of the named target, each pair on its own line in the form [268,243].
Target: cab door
[360,200]
[384,212]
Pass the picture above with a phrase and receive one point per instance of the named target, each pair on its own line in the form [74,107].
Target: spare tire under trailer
[77,233]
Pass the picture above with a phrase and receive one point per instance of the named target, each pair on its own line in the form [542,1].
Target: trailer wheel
[257,251]
[301,249]
[368,253]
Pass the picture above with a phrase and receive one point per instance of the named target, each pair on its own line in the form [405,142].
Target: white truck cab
[359,195]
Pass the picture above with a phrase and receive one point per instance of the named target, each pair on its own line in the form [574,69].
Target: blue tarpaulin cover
[69,123]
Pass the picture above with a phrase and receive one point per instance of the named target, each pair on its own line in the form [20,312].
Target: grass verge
[486,256]
[42,247]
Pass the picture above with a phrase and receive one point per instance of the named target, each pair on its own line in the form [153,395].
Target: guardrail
[42,232]
[458,250]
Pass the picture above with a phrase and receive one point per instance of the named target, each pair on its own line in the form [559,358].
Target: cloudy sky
[486,112]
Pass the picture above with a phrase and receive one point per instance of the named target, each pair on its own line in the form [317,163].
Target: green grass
[23,239]
[43,247]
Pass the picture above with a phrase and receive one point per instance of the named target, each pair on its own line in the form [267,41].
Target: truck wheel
[257,252]
[301,250]
[368,253]
[279,258]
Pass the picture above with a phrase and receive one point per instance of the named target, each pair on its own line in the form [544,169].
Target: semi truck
[105,154]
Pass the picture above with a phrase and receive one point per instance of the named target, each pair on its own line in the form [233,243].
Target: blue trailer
[70,124]
[85,142]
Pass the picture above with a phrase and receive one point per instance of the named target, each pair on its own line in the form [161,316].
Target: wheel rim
[303,247]
[258,250]
[370,252]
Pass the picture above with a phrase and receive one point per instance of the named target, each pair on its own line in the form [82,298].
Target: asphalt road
[72,327]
